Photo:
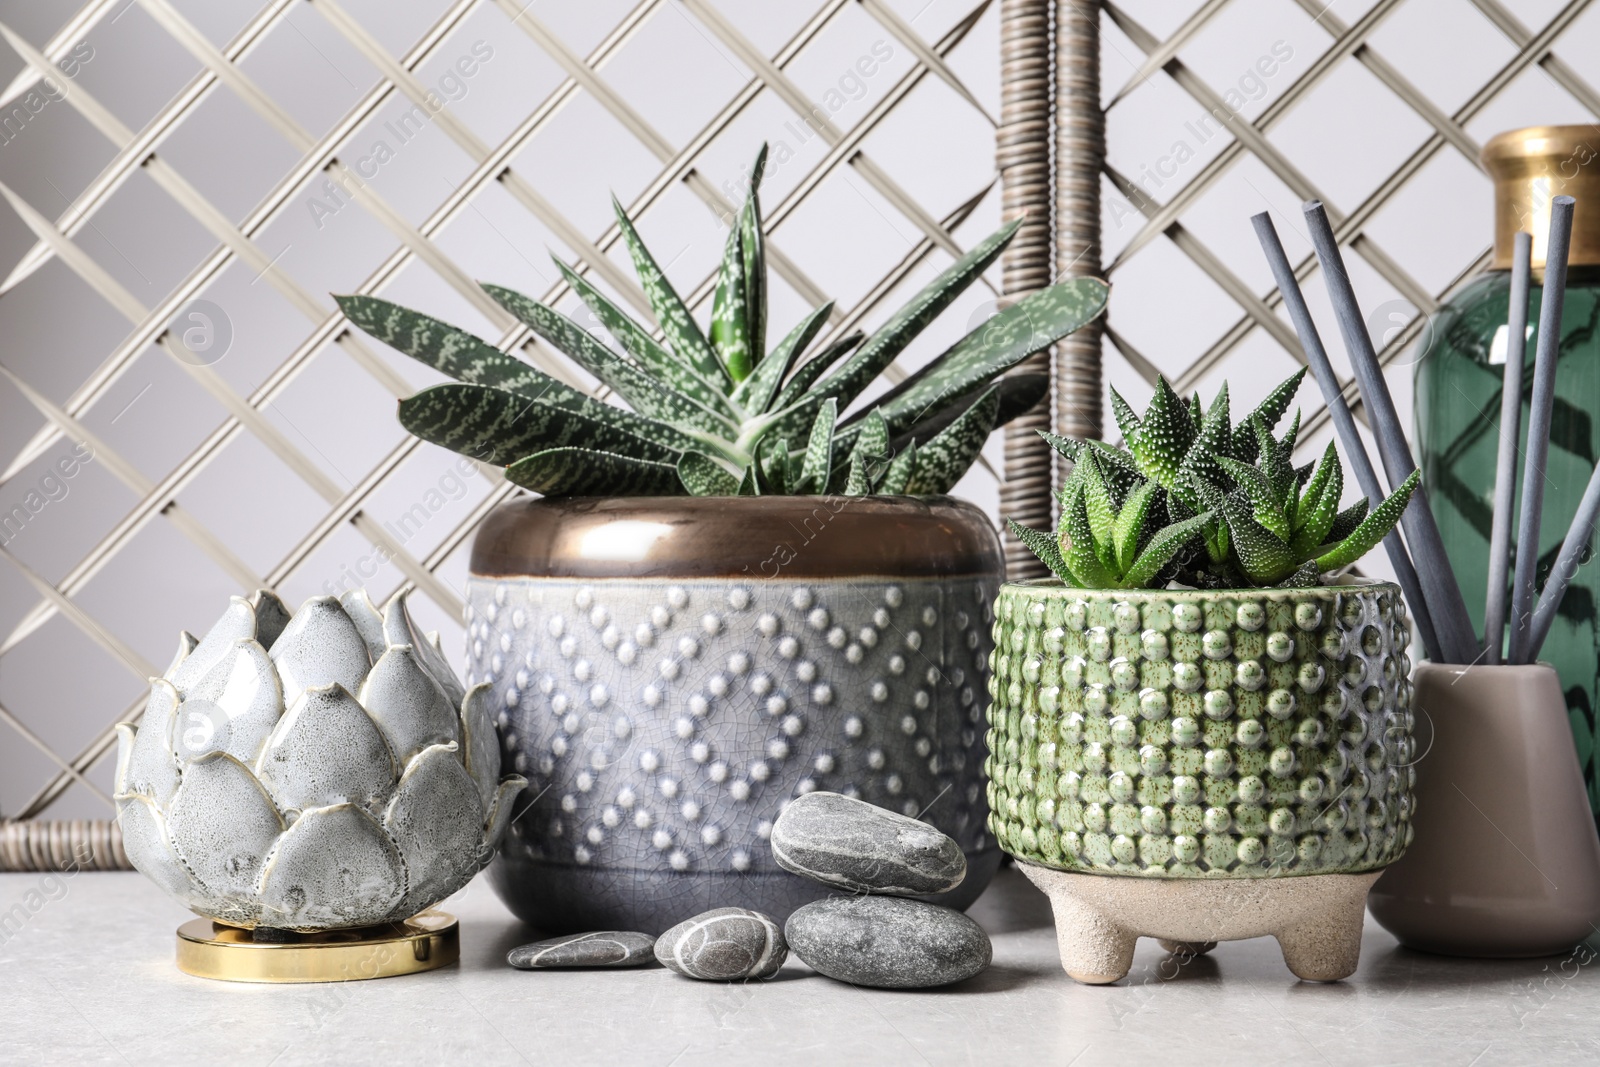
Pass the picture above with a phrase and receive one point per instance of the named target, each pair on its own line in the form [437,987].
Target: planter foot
[1316,918]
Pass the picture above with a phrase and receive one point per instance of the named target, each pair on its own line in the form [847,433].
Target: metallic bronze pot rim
[787,537]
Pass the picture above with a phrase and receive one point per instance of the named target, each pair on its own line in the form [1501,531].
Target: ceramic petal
[368,619]
[236,624]
[399,629]
[233,709]
[150,769]
[326,750]
[186,644]
[480,741]
[505,799]
[436,819]
[320,647]
[333,868]
[144,840]
[408,705]
[272,615]
[222,825]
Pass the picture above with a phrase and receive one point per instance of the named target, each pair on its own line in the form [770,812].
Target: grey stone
[851,844]
[888,944]
[724,945]
[602,948]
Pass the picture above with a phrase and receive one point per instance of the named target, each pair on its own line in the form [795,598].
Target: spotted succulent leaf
[1318,505]
[677,325]
[898,476]
[446,348]
[730,324]
[947,455]
[817,465]
[650,354]
[1345,523]
[1269,411]
[1163,437]
[500,427]
[1372,529]
[756,392]
[1165,545]
[1044,546]
[704,476]
[585,472]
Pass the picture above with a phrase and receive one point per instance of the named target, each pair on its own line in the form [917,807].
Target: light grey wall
[54,330]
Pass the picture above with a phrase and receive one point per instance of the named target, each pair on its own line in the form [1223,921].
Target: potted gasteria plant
[1196,705]
[744,585]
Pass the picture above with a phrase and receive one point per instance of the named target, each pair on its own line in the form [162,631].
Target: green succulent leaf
[1033,323]
[1127,421]
[1212,438]
[891,339]
[1078,545]
[1373,528]
[643,394]
[443,347]
[1263,558]
[773,459]
[730,324]
[756,392]
[1318,506]
[584,472]
[651,356]
[898,476]
[871,447]
[1306,577]
[946,457]
[1020,393]
[1345,523]
[752,244]
[817,466]
[1044,546]
[1129,528]
[1269,411]
[799,384]
[1266,504]
[677,325]
[1100,508]
[500,427]
[703,476]
[747,484]
[1163,437]
[1162,548]
[857,482]
[1064,446]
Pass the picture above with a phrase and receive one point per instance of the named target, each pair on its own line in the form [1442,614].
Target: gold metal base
[229,954]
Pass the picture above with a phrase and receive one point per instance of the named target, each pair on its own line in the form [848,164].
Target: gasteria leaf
[692,410]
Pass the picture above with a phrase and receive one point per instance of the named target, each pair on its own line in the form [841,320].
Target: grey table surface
[87,977]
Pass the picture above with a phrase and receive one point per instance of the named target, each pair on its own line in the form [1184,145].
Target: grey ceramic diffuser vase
[1506,861]
[1202,765]
[669,672]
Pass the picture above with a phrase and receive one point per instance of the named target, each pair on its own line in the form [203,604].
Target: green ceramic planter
[1201,734]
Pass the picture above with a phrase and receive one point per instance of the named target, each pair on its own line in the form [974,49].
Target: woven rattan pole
[1080,159]
[1022,154]
[65,847]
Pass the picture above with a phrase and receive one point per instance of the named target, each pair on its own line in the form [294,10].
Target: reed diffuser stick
[1457,642]
[1344,424]
[1544,394]
[1572,549]
[1505,469]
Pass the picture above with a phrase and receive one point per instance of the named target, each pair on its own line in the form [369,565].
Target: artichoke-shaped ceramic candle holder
[319,772]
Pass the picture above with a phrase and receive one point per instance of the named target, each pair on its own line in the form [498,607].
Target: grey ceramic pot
[670,672]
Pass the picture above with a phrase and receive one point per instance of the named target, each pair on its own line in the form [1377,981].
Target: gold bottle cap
[1530,168]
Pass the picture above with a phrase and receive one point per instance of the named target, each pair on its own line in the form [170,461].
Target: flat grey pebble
[724,945]
[602,948]
[888,944]
[851,844]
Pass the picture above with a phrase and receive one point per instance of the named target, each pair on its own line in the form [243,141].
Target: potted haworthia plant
[743,585]
[1197,701]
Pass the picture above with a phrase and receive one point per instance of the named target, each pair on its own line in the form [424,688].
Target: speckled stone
[851,844]
[888,944]
[724,945]
[602,948]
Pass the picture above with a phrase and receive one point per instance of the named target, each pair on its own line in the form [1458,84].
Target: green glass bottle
[1459,371]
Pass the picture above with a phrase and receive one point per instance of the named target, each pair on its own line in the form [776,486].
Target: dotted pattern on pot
[1197,734]
[662,727]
